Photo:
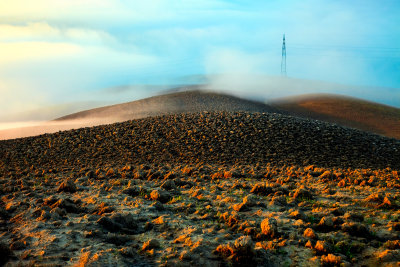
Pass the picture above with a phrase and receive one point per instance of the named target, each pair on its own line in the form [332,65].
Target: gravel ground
[209,189]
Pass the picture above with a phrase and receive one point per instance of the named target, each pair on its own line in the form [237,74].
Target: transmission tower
[283,63]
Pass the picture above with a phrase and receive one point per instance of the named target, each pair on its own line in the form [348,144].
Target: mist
[268,88]
[54,62]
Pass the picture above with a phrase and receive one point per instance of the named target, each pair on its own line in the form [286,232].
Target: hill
[171,103]
[346,111]
[201,188]
[211,137]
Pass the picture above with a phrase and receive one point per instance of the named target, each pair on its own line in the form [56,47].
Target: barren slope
[189,101]
[201,189]
[346,111]
[217,137]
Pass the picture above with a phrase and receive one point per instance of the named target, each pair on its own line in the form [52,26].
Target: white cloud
[42,31]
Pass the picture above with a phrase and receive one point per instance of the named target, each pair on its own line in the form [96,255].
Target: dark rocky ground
[210,189]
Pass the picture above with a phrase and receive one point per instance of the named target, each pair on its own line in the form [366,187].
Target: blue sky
[58,52]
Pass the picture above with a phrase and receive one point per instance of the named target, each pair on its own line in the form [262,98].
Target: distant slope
[171,103]
[179,102]
[346,111]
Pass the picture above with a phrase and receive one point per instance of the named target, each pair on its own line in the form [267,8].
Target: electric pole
[283,63]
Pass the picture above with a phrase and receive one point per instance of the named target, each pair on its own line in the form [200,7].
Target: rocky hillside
[208,137]
[201,189]
[172,103]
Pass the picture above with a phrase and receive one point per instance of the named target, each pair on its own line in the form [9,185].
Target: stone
[331,260]
[168,185]
[151,244]
[326,223]
[356,229]
[323,247]
[244,245]
[132,191]
[250,200]
[160,195]
[67,186]
[261,189]
[303,193]
[309,233]
[269,227]
[120,223]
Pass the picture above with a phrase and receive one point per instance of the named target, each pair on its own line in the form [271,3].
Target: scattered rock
[331,260]
[326,223]
[160,195]
[278,201]
[151,244]
[309,233]
[169,185]
[356,229]
[132,191]
[250,200]
[269,227]
[261,189]
[117,239]
[67,186]
[303,193]
[323,247]
[120,223]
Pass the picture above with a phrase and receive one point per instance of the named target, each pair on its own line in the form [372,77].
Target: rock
[250,200]
[309,233]
[128,252]
[297,214]
[278,201]
[326,223]
[244,245]
[151,244]
[5,254]
[269,227]
[394,226]
[132,191]
[169,185]
[117,239]
[120,223]
[240,253]
[323,247]
[331,260]
[326,174]
[160,195]
[44,216]
[186,255]
[67,204]
[356,229]
[91,174]
[356,217]
[392,244]
[375,197]
[302,194]
[18,245]
[240,207]
[389,256]
[261,189]
[338,211]
[67,186]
